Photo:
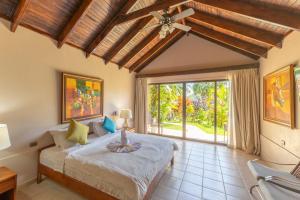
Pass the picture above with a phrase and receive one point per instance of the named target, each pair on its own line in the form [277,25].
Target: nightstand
[8,184]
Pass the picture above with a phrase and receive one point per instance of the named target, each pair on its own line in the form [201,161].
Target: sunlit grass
[207,129]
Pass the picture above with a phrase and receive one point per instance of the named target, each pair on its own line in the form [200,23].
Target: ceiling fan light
[165,27]
[162,34]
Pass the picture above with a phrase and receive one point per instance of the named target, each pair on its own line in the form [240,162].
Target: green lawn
[172,126]
[209,130]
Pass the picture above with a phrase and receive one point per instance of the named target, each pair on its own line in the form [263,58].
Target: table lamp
[125,114]
[4,137]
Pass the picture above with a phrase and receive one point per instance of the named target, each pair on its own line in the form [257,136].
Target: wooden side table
[8,184]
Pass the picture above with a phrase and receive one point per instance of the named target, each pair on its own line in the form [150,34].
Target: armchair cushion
[271,191]
[258,170]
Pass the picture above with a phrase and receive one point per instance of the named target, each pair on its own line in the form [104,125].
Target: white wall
[30,66]
[192,52]
[278,58]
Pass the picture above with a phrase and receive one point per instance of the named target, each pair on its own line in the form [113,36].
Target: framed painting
[279,94]
[82,97]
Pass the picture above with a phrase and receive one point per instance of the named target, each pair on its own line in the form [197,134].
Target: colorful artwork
[279,97]
[82,97]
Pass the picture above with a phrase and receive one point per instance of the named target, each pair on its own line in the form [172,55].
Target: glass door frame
[184,83]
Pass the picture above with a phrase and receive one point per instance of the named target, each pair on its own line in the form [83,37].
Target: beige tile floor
[201,171]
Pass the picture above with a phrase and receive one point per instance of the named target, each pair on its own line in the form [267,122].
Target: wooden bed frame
[84,189]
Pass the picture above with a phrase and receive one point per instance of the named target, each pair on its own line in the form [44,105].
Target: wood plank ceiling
[112,29]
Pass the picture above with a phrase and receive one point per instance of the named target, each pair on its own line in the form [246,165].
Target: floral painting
[279,97]
[82,97]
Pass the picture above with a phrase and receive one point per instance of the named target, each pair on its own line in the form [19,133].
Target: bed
[96,173]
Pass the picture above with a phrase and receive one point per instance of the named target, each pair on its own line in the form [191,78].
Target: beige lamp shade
[125,114]
[4,137]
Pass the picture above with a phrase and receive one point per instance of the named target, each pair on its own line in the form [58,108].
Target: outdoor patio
[192,132]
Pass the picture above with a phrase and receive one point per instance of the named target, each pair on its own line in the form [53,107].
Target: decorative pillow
[59,137]
[97,128]
[78,132]
[109,125]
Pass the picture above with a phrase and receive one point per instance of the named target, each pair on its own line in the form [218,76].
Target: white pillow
[60,138]
[98,129]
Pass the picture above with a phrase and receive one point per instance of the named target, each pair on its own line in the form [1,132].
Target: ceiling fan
[169,23]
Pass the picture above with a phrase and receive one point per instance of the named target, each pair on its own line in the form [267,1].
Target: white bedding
[125,176]
[54,158]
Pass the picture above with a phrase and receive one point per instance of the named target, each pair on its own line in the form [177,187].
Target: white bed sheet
[125,176]
[53,158]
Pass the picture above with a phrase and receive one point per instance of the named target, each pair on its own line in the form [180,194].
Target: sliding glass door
[222,110]
[170,112]
[200,109]
[192,110]
[165,109]
[153,109]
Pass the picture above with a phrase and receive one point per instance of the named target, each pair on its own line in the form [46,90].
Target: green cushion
[78,132]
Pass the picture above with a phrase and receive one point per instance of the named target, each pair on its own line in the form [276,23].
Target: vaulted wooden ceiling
[112,29]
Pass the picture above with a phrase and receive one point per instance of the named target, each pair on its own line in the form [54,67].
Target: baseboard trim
[272,141]
[28,182]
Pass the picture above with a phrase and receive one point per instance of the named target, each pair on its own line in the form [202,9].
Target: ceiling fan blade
[156,14]
[150,27]
[183,2]
[183,14]
[182,27]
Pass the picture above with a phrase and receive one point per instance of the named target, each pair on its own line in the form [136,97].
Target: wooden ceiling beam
[229,40]
[123,41]
[162,50]
[200,71]
[139,47]
[260,35]
[264,12]
[78,15]
[18,15]
[144,12]
[245,53]
[154,50]
[108,27]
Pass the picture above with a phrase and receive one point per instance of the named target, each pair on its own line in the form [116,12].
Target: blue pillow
[109,125]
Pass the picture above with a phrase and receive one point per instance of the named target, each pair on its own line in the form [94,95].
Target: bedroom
[168,87]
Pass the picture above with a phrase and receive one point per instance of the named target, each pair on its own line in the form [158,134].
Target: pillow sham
[78,132]
[109,125]
[59,137]
[97,128]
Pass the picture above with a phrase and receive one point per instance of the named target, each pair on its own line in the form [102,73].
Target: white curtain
[244,111]
[140,105]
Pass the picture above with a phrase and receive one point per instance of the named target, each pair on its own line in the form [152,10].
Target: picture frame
[279,96]
[297,81]
[82,97]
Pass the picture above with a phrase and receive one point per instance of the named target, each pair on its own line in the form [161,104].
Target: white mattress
[125,176]
[53,158]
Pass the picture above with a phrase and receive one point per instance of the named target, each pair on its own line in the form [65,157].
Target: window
[193,110]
